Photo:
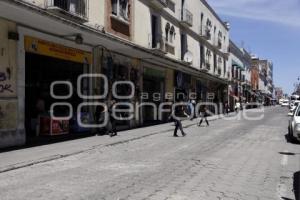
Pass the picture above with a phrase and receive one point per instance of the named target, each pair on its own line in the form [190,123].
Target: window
[220,34]
[208,24]
[120,8]
[208,56]
[167,29]
[208,28]
[219,60]
[172,34]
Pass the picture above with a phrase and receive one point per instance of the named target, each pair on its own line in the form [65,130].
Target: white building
[162,46]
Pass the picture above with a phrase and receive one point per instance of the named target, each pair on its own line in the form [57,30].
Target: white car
[294,124]
[280,101]
[285,103]
[294,106]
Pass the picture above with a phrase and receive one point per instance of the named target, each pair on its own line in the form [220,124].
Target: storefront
[45,63]
[117,67]
[154,83]
[182,87]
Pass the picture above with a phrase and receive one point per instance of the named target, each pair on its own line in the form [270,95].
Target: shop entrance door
[41,71]
[152,86]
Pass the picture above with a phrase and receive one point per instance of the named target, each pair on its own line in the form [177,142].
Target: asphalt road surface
[230,160]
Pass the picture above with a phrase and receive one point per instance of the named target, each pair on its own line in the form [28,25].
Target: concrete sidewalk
[29,156]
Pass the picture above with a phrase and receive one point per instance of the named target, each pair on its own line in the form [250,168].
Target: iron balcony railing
[205,32]
[207,65]
[157,42]
[186,17]
[78,8]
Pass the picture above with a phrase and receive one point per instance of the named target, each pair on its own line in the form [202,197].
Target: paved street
[238,160]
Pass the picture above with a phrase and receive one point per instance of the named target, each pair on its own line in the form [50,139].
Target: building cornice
[88,29]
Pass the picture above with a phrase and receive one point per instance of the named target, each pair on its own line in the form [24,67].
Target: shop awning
[154,73]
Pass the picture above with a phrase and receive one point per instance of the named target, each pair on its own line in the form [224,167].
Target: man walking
[177,112]
[112,121]
[110,127]
[203,115]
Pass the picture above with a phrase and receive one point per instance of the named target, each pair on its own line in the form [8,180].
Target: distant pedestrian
[178,112]
[203,115]
[112,130]
[191,109]
[99,118]
[110,127]
[226,108]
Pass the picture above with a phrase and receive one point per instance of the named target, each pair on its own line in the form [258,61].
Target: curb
[56,157]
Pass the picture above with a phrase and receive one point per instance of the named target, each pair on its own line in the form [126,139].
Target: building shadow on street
[296,185]
[46,140]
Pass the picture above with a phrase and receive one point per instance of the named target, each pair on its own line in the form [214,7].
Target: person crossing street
[203,115]
[178,111]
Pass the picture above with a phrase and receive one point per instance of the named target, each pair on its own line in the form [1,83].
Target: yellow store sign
[46,48]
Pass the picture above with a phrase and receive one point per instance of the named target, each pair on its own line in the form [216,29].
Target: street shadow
[284,198]
[288,153]
[296,185]
[46,140]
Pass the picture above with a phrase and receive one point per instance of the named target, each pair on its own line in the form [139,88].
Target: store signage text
[46,48]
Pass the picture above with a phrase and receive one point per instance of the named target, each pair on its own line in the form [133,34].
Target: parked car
[285,103]
[294,124]
[293,106]
[280,101]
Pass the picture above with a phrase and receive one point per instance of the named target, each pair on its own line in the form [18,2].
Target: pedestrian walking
[178,112]
[203,115]
[191,109]
[99,118]
[110,127]
[226,107]
[112,130]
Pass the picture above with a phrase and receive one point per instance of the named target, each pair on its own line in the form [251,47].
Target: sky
[269,29]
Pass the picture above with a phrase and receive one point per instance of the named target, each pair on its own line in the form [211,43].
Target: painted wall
[8,87]
[96,12]
[7,61]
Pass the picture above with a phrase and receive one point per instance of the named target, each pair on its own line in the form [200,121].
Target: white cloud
[279,11]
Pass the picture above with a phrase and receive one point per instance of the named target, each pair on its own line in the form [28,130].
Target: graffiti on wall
[5,81]
[8,69]
[8,115]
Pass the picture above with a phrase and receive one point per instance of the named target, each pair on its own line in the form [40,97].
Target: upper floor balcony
[157,43]
[186,17]
[205,32]
[159,4]
[207,65]
[76,10]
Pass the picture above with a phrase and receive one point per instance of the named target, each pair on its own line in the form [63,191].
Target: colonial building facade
[177,47]
[262,80]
